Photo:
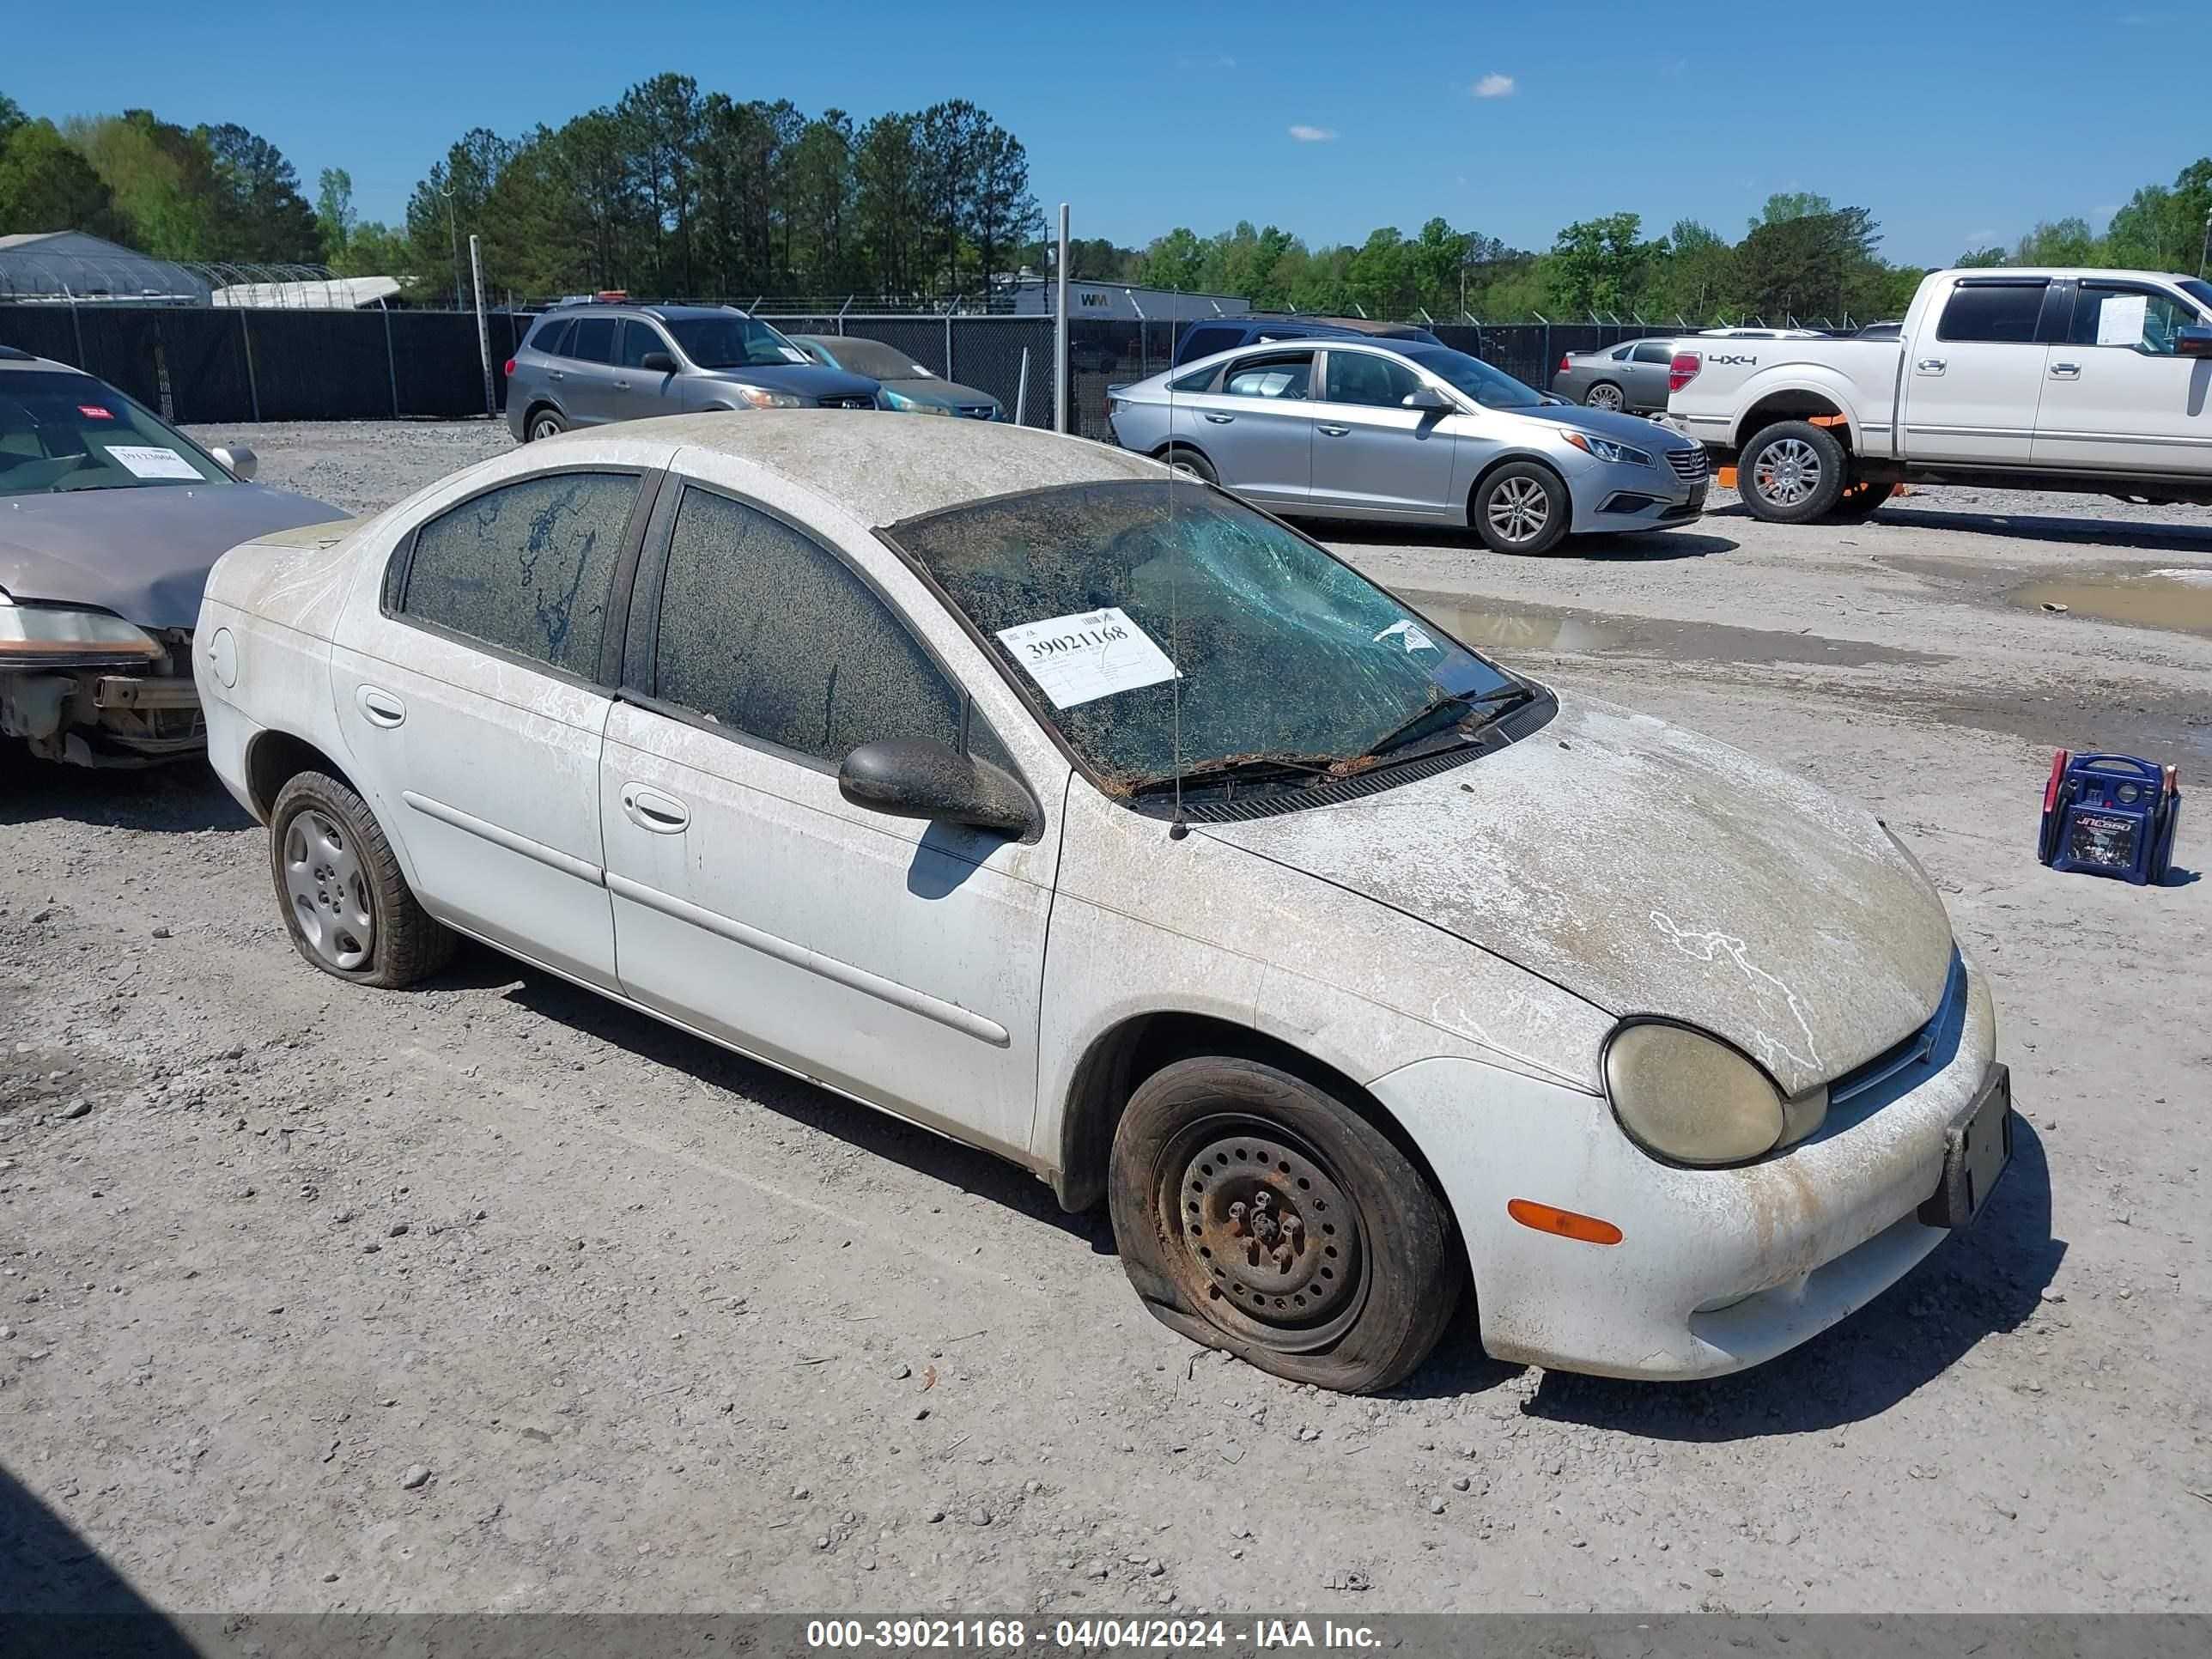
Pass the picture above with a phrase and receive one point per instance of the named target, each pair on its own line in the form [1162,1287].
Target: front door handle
[648,808]
[2066,371]
[380,707]
[1334,431]
[1929,365]
[1219,420]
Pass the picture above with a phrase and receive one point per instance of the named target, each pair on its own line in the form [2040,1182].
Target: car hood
[806,380]
[945,394]
[143,554]
[1648,869]
[1628,428]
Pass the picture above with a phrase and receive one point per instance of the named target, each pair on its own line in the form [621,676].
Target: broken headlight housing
[1690,1098]
[33,635]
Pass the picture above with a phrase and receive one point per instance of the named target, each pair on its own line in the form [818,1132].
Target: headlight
[1691,1098]
[760,396]
[1605,449]
[906,405]
[30,633]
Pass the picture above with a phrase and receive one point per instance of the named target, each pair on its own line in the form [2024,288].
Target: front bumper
[102,714]
[1716,1269]
[1617,497]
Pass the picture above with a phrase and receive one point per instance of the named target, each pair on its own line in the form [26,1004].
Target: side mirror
[2192,340]
[915,778]
[657,362]
[1426,398]
[242,463]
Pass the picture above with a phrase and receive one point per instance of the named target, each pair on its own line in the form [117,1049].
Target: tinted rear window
[1999,313]
[551,334]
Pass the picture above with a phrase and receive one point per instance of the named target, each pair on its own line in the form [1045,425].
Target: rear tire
[1606,395]
[1258,1215]
[346,905]
[1792,472]
[1522,507]
[1190,461]
[543,423]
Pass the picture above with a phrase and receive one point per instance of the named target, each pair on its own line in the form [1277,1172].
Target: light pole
[455,236]
[2204,251]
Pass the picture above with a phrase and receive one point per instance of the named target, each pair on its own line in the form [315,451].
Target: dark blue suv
[1227,333]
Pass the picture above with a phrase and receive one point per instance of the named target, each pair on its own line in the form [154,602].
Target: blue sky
[1955,122]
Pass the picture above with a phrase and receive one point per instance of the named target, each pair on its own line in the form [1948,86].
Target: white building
[1119,302]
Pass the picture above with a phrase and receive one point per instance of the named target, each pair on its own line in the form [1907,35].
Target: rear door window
[527,567]
[593,341]
[2003,314]
[1285,375]
[766,632]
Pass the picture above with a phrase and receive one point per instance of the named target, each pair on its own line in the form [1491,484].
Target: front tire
[1257,1213]
[1792,472]
[1522,507]
[1606,395]
[346,905]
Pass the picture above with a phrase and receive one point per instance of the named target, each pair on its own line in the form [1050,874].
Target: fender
[1813,379]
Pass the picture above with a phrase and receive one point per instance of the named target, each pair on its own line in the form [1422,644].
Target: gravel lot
[493,1296]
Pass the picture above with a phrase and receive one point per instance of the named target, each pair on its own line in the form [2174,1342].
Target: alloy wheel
[1519,509]
[1788,472]
[1605,396]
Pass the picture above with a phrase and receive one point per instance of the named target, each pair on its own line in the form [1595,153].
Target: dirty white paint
[1462,944]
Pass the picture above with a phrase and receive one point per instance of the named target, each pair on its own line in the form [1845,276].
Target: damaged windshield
[1114,602]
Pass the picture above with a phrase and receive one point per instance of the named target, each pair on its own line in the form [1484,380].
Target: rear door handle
[1929,365]
[1219,420]
[380,707]
[621,386]
[2066,371]
[648,808]
[1334,431]
[556,374]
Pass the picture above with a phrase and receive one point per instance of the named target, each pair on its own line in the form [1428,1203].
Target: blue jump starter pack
[2110,815]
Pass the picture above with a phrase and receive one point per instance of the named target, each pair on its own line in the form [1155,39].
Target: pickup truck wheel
[1257,1213]
[1792,472]
[1860,501]
[346,905]
[1522,507]
[1605,395]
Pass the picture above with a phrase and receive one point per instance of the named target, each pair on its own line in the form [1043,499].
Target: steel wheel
[329,891]
[1788,472]
[1270,1241]
[1605,396]
[1519,510]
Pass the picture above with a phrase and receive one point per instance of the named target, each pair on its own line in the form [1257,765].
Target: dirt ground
[493,1296]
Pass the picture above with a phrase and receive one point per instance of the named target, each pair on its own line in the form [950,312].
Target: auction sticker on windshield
[1092,654]
[150,461]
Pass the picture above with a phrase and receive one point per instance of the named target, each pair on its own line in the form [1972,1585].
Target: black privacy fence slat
[223,365]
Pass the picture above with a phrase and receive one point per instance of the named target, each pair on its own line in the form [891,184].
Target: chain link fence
[217,364]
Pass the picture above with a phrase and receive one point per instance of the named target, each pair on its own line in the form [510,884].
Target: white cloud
[1306,135]
[1494,85]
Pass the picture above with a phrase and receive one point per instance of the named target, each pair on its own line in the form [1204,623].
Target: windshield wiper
[1498,697]
[1246,768]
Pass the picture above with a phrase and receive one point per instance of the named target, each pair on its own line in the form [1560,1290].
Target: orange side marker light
[1565,1223]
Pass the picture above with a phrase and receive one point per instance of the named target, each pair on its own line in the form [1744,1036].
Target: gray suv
[585,365]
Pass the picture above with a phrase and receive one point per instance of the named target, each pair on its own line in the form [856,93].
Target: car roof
[639,309]
[16,358]
[882,469]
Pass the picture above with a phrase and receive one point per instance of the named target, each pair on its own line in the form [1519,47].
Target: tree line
[1799,256]
[675,192]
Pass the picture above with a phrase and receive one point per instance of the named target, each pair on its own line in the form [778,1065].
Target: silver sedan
[1406,432]
[1630,375]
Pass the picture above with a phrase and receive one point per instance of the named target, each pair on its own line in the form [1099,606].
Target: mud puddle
[2179,601]
[1505,628]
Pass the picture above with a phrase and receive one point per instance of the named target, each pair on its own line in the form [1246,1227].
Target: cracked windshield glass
[1114,602]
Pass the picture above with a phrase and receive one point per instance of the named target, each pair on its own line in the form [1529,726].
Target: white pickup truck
[2095,380]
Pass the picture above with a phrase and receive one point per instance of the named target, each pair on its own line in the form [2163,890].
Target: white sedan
[1023,789]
